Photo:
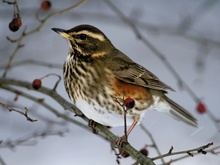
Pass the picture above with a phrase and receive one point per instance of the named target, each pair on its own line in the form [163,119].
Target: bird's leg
[123,139]
[132,126]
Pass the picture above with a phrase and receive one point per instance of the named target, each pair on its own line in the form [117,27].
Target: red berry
[15,24]
[201,108]
[125,154]
[144,151]
[19,22]
[36,84]
[46,5]
[129,103]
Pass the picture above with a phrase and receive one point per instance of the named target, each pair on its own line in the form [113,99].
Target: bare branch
[189,152]
[8,65]
[2,162]
[158,53]
[35,62]
[8,2]
[212,151]
[18,111]
[25,34]
[57,82]
[31,139]
[47,106]
[66,105]
[154,144]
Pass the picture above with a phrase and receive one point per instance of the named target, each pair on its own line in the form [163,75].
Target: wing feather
[127,70]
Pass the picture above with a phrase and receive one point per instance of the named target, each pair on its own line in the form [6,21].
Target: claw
[119,142]
[92,124]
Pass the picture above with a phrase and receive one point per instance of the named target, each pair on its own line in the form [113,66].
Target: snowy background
[193,50]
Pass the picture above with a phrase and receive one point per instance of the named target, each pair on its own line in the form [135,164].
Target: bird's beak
[62,32]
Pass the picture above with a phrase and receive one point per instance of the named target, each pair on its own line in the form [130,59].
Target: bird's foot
[92,124]
[119,142]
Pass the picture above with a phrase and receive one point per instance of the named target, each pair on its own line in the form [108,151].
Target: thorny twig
[33,62]
[18,111]
[8,2]
[45,105]
[150,46]
[154,144]
[57,82]
[212,151]
[189,152]
[25,34]
[31,139]
[8,65]
[66,105]
[125,120]
[171,151]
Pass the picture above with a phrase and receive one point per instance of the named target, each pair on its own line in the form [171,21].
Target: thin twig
[18,111]
[125,124]
[125,120]
[153,141]
[43,21]
[189,152]
[8,65]
[8,2]
[35,62]
[151,47]
[159,54]
[2,162]
[212,151]
[197,14]
[31,139]
[25,34]
[47,106]
[66,105]
[57,82]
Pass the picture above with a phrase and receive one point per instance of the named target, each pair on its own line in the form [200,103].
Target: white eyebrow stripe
[93,35]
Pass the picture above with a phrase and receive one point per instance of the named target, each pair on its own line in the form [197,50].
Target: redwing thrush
[98,76]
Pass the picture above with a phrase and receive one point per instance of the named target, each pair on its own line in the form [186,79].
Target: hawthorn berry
[125,154]
[46,5]
[129,103]
[144,151]
[19,22]
[36,84]
[15,24]
[201,108]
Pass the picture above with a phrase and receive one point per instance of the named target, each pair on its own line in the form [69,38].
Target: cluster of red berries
[16,22]
[144,151]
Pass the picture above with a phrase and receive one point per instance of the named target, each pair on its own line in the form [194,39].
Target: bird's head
[87,40]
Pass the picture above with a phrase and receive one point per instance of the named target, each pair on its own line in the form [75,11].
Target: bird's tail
[180,113]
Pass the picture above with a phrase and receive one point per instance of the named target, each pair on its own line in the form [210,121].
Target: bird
[98,78]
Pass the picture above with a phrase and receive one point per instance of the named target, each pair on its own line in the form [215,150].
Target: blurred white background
[187,33]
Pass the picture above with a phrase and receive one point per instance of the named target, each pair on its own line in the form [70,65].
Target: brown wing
[127,70]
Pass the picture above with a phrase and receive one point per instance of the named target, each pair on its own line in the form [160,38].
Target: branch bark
[140,158]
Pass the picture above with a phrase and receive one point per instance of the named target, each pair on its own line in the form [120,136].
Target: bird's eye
[82,36]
